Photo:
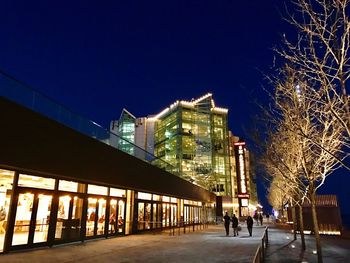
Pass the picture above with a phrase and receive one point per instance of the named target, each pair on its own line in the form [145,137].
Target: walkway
[208,245]
[282,248]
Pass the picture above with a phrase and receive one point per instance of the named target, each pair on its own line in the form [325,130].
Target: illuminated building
[244,187]
[193,137]
[69,179]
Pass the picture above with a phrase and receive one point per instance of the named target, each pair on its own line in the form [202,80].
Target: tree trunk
[301,227]
[294,221]
[317,233]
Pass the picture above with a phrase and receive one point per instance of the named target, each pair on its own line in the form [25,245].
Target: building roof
[192,104]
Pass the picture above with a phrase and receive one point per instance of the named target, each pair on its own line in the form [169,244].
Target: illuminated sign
[241,170]
[243,195]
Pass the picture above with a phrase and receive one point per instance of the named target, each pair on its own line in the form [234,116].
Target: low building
[62,179]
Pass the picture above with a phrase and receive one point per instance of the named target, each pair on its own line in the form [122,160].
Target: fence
[260,253]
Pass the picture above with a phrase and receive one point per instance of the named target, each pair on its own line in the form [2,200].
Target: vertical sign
[241,170]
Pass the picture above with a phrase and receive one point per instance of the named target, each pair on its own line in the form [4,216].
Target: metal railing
[260,253]
[174,228]
[22,94]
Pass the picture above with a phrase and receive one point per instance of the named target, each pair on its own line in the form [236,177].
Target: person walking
[256,218]
[261,219]
[250,225]
[235,225]
[227,220]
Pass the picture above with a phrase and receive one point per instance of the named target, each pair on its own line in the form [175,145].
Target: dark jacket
[234,222]
[227,220]
[249,221]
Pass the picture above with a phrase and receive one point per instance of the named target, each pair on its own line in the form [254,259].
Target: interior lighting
[314,252]
[293,246]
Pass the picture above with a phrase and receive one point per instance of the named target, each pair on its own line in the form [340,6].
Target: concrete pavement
[208,245]
[282,248]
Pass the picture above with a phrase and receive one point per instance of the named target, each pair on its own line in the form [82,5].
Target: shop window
[156,197]
[71,186]
[36,182]
[6,182]
[173,200]
[97,190]
[144,196]
[117,192]
[166,199]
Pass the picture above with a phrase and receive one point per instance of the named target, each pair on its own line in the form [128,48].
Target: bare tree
[317,137]
[321,54]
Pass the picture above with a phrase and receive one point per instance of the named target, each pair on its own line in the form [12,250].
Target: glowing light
[293,246]
[314,252]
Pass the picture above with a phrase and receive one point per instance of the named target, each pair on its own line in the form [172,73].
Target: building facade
[64,181]
[193,137]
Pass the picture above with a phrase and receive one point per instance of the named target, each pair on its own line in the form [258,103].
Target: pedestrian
[250,225]
[227,223]
[235,225]
[256,218]
[261,219]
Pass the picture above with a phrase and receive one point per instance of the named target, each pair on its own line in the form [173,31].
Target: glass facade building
[193,137]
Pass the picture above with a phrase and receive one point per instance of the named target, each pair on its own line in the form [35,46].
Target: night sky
[97,57]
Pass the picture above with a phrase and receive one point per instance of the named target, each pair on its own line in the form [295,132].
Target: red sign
[243,195]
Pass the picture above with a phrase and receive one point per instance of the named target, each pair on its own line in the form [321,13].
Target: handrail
[260,253]
[21,93]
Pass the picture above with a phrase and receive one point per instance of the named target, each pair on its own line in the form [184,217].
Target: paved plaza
[282,248]
[207,245]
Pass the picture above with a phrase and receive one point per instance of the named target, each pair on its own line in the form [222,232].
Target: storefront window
[42,218]
[140,217]
[22,221]
[97,190]
[101,216]
[91,215]
[36,182]
[121,210]
[6,182]
[144,196]
[70,186]
[117,192]
[147,216]
[113,217]
[156,197]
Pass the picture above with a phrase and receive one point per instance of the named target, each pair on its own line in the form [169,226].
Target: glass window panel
[121,212]
[68,186]
[113,216]
[147,216]
[101,216]
[173,200]
[144,196]
[141,211]
[42,218]
[97,190]
[6,182]
[166,199]
[36,182]
[22,220]
[117,192]
[156,197]
[91,215]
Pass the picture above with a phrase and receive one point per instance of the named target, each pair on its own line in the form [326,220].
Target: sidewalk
[208,245]
[282,248]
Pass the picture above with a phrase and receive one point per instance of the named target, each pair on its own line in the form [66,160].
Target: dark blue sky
[96,57]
